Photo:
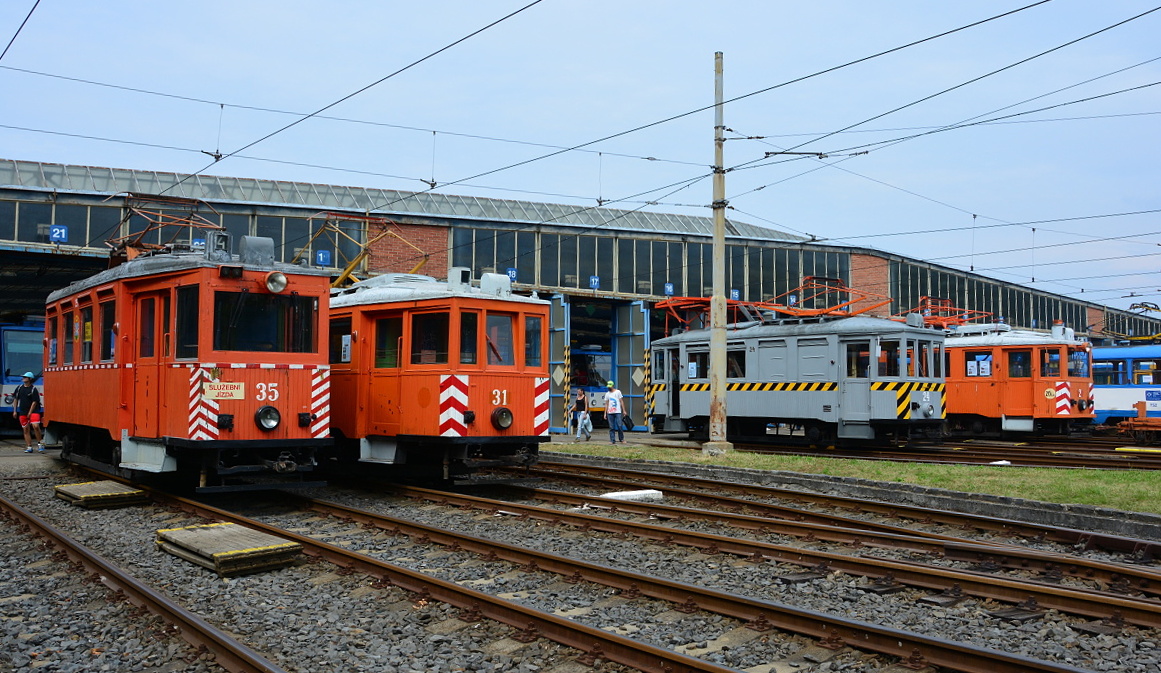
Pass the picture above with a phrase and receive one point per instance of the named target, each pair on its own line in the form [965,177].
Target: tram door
[152,309]
[856,388]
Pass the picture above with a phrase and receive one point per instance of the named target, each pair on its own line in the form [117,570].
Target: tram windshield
[591,369]
[271,323]
[1078,362]
[22,351]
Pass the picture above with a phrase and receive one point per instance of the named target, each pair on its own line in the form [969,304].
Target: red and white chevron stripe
[453,401]
[320,403]
[203,413]
[1063,398]
[540,405]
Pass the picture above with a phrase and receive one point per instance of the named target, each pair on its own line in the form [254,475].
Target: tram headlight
[276,281]
[502,418]
[267,418]
[929,411]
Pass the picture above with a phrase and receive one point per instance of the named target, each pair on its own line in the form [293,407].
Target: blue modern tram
[21,350]
[1123,376]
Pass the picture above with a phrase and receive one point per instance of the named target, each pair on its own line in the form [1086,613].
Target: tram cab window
[188,319]
[698,365]
[924,359]
[498,337]
[736,363]
[888,357]
[977,363]
[1050,362]
[533,341]
[388,334]
[859,360]
[911,357]
[1109,372]
[260,322]
[339,341]
[469,337]
[1078,362]
[1145,372]
[1019,364]
[429,337]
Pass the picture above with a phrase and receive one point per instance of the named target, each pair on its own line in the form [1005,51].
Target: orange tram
[192,362]
[1006,381]
[437,379]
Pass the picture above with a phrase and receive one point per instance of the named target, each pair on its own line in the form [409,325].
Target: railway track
[1100,456]
[710,602]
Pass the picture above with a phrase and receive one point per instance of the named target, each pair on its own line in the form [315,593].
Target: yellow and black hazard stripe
[823,386]
[565,409]
[648,384]
[903,390]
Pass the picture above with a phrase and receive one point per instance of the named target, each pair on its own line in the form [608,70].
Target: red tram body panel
[197,361]
[438,378]
[1001,380]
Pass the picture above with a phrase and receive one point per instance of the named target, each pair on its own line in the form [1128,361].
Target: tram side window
[108,337]
[188,320]
[339,341]
[52,340]
[977,363]
[67,356]
[698,365]
[859,359]
[388,332]
[498,336]
[1020,364]
[1145,372]
[888,357]
[736,363]
[1050,362]
[429,337]
[1109,373]
[533,341]
[87,334]
[1078,362]
[469,337]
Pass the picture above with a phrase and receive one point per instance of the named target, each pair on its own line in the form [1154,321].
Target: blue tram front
[823,380]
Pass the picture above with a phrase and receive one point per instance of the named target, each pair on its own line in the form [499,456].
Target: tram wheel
[1144,437]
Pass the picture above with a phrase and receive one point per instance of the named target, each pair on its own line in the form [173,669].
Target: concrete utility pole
[717,443]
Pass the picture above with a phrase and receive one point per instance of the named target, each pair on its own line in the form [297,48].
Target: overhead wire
[359,91]
[19,29]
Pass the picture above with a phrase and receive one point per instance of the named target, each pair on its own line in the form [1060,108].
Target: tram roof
[850,326]
[215,189]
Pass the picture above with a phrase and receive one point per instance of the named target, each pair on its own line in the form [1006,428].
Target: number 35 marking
[267,391]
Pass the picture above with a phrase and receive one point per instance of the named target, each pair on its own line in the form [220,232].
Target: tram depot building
[602,268]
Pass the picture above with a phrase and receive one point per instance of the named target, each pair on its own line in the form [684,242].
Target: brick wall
[872,274]
[391,255]
[1095,317]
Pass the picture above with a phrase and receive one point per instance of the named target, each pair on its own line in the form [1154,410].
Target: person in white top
[615,411]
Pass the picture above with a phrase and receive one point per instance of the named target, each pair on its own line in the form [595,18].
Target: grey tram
[820,379]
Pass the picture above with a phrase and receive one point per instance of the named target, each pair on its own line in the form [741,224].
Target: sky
[593,102]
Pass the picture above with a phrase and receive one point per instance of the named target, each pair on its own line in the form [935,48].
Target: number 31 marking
[499,397]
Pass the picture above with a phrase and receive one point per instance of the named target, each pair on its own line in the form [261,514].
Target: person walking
[584,426]
[26,409]
[580,404]
[614,412]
